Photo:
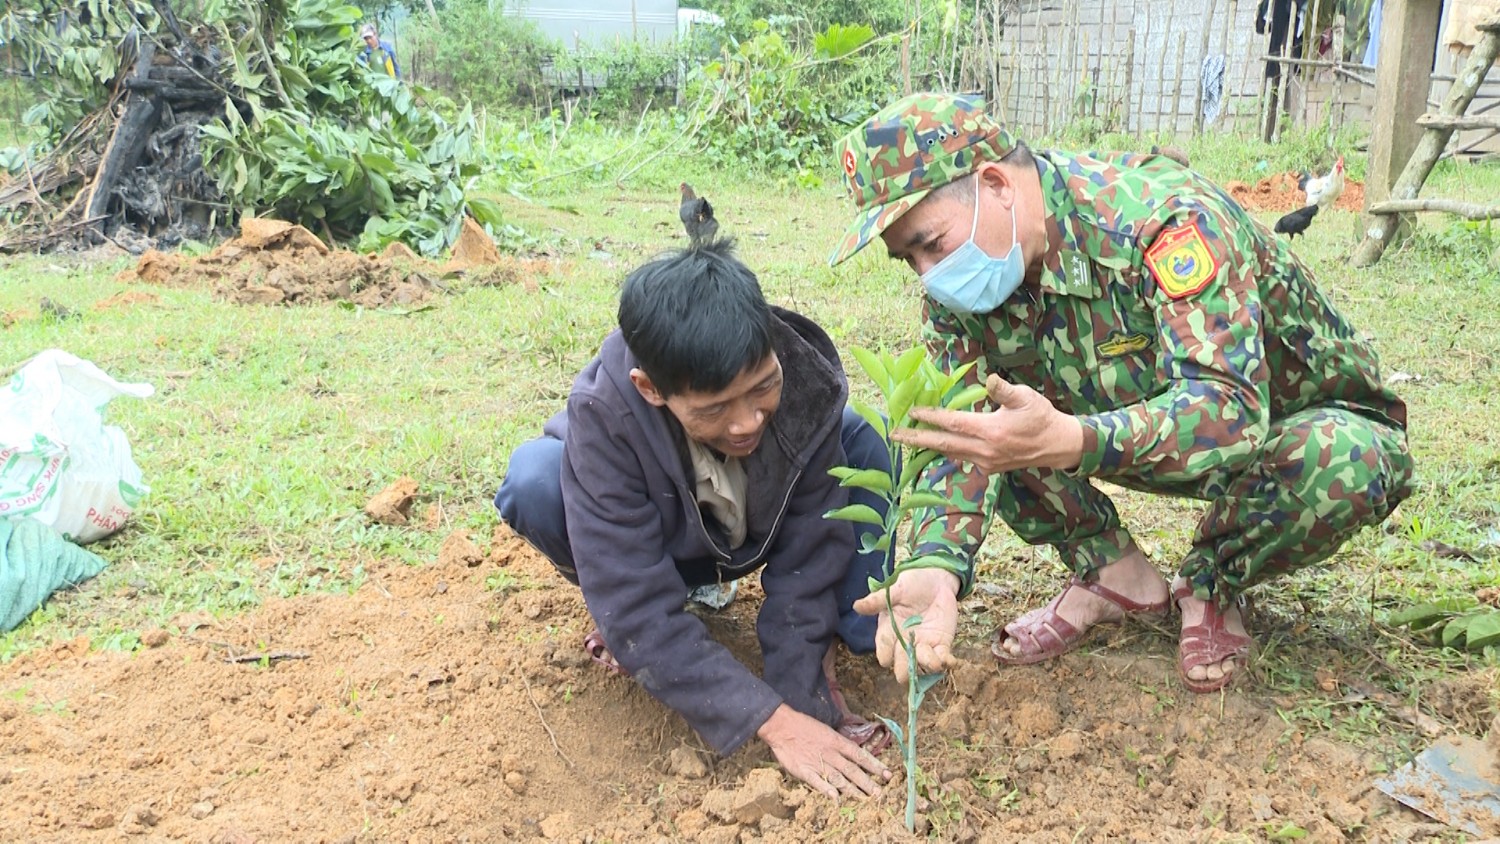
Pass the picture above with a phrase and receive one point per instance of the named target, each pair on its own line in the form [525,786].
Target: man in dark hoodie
[695,450]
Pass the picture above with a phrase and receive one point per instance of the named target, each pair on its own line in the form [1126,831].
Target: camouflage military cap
[907,149]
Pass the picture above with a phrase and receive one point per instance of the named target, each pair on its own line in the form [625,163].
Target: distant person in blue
[382,50]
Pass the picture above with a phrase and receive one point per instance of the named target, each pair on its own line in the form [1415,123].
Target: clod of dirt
[392,505]
[400,787]
[760,796]
[690,823]
[473,247]
[274,262]
[398,251]
[558,825]
[138,820]
[516,781]
[154,638]
[1065,746]
[199,811]
[459,550]
[686,762]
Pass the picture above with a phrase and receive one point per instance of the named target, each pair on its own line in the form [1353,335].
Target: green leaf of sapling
[862,513]
[874,480]
[966,398]
[923,498]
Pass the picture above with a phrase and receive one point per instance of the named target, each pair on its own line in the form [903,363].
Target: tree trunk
[1429,148]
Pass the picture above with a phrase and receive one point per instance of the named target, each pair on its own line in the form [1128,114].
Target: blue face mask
[969,280]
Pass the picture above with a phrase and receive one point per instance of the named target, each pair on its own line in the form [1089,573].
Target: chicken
[697,217]
[1323,191]
[1173,153]
[1296,222]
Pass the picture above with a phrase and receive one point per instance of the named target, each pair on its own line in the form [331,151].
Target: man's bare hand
[1024,432]
[929,593]
[816,754]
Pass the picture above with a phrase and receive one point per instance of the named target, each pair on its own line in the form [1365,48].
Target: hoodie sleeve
[634,592]
[801,577]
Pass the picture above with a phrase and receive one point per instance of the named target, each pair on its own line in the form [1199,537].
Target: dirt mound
[1280,193]
[452,702]
[274,262]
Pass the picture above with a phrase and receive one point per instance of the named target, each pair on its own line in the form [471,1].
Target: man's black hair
[696,319]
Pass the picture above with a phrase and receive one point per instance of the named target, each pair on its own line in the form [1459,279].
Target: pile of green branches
[302,131]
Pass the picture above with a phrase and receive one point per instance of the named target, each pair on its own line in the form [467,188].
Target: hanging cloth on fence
[1213,87]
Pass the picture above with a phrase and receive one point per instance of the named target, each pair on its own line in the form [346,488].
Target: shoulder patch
[1181,261]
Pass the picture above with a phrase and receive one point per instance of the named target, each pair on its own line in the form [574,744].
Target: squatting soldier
[1133,324]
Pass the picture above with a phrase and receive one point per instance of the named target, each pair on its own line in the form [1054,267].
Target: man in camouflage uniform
[1140,328]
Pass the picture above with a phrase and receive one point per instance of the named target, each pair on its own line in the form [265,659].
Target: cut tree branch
[1443,121]
[1467,210]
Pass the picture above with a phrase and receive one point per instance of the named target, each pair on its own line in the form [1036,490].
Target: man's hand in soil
[933,595]
[1024,432]
[815,753]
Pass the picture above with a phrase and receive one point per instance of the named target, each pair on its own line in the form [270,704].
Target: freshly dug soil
[452,702]
[1280,193]
[274,262]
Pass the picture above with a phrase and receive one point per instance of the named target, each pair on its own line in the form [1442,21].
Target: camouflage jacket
[1172,323]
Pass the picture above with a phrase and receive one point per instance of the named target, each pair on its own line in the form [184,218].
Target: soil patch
[1280,193]
[452,702]
[274,262]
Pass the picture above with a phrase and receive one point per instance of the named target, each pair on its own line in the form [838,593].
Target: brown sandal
[873,736]
[1045,634]
[1209,642]
[593,645]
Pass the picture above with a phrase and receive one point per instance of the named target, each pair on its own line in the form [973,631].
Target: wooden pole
[1381,228]
[1335,99]
[1129,93]
[1160,82]
[906,64]
[1408,45]
[1467,210]
[1181,68]
[1310,39]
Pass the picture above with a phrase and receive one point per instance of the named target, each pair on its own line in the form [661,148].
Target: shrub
[478,53]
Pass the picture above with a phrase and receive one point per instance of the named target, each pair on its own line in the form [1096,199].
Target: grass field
[272,426]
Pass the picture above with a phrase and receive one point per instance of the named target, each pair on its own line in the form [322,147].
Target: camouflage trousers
[1321,475]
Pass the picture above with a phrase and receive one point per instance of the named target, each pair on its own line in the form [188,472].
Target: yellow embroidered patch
[1123,344]
[1181,261]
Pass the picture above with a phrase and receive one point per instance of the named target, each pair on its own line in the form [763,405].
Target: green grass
[272,426]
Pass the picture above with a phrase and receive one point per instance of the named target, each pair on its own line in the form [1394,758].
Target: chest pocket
[1122,360]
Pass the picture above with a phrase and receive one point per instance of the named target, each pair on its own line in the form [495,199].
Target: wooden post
[1160,82]
[1177,95]
[906,64]
[1338,78]
[1381,228]
[1408,44]
[1310,39]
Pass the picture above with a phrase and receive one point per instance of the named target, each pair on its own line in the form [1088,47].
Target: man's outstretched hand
[1024,432]
[929,593]
[816,754]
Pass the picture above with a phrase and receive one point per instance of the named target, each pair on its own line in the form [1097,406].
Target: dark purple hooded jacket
[639,539]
